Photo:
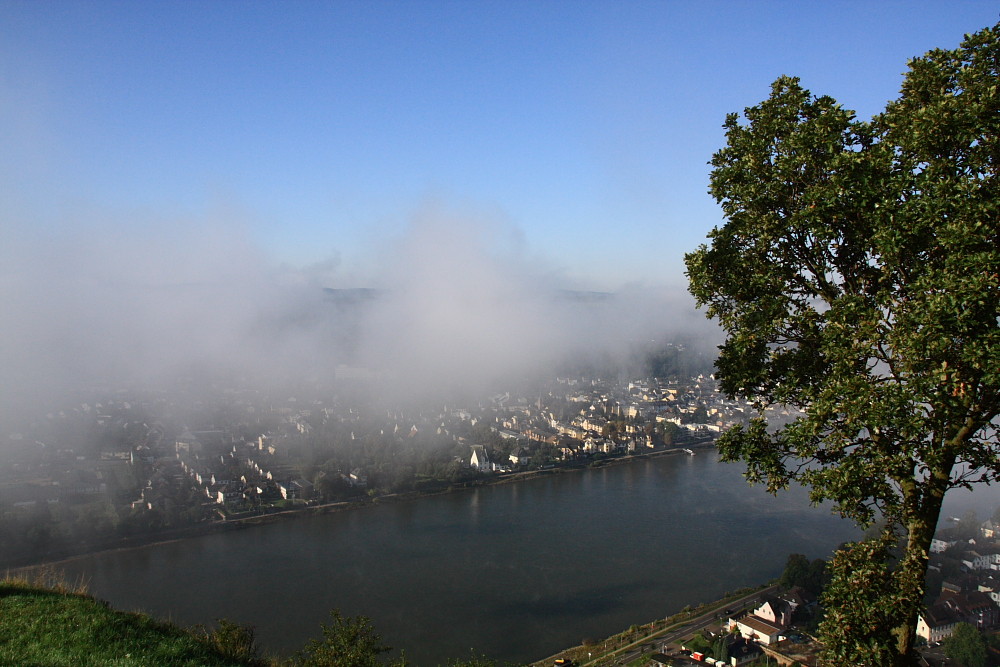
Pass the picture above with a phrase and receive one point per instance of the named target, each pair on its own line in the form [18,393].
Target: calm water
[514,571]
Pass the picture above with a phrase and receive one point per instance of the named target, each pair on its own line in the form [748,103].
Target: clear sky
[316,130]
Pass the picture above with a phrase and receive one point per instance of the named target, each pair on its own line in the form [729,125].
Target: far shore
[54,559]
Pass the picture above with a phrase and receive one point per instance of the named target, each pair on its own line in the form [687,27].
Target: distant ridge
[580,295]
[351,295]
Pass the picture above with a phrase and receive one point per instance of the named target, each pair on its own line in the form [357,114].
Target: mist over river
[514,571]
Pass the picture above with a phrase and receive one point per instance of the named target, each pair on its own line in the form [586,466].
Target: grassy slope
[43,627]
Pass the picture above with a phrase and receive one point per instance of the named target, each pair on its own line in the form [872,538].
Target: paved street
[673,635]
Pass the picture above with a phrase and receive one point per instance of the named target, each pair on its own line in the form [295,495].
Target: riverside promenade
[633,644]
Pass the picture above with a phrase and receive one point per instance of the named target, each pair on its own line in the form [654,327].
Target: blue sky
[316,131]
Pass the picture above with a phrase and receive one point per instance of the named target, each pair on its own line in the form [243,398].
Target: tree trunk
[921,524]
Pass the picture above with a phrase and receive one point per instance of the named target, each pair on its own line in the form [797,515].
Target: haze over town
[182,181]
[312,260]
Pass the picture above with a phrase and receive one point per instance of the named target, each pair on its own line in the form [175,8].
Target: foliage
[668,431]
[858,280]
[799,571]
[966,645]
[235,640]
[346,642]
[698,416]
[699,643]
[720,647]
[853,628]
[796,570]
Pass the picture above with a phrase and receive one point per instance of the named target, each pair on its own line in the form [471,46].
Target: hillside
[46,627]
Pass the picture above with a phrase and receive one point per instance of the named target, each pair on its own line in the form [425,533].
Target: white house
[752,627]
[480,459]
[937,623]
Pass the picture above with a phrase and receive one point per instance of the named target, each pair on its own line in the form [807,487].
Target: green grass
[59,627]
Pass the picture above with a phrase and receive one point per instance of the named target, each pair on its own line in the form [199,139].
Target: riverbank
[55,558]
[514,571]
[645,638]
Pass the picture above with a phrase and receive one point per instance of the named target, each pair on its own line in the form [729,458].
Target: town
[125,467]
[128,465]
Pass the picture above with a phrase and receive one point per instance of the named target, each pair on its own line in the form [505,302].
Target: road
[672,635]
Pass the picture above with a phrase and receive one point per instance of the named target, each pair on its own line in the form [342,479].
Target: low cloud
[457,304]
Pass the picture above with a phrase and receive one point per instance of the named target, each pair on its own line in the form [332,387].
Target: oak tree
[857,278]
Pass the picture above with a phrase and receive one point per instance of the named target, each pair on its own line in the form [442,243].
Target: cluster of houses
[241,454]
[220,467]
[608,419]
[970,593]
[256,473]
[750,636]
[577,419]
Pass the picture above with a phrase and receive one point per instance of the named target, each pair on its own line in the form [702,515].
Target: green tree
[699,416]
[796,571]
[818,577]
[720,647]
[967,646]
[614,429]
[799,571]
[346,642]
[668,431]
[857,278]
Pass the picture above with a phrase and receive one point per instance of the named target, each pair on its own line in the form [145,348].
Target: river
[514,571]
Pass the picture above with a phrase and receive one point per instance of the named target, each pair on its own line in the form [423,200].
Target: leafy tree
[720,647]
[700,415]
[346,642]
[858,280]
[933,585]
[799,571]
[668,431]
[817,578]
[796,571]
[966,645]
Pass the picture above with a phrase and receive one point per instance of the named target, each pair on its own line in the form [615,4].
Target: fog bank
[455,303]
